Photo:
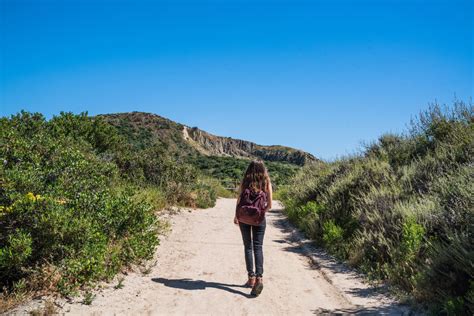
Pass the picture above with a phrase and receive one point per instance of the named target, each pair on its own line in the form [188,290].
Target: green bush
[412,237]
[78,202]
[16,251]
[402,210]
[332,235]
[153,196]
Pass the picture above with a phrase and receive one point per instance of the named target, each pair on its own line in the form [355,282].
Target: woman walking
[255,198]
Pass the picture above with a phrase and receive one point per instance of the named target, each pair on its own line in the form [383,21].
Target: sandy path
[201,269]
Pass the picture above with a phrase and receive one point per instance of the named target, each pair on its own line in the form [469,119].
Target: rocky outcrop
[225,146]
[218,146]
[143,129]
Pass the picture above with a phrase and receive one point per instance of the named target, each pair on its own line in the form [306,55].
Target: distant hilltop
[147,128]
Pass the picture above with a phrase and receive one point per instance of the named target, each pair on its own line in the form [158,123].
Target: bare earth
[201,270]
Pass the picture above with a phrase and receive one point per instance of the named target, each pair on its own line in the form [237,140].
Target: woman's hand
[236,221]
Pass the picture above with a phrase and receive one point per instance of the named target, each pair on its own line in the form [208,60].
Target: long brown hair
[256,177]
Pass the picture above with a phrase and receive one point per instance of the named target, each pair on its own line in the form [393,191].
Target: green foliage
[88,298]
[230,170]
[454,306]
[153,196]
[412,237]
[332,235]
[78,202]
[205,194]
[16,251]
[307,217]
[402,210]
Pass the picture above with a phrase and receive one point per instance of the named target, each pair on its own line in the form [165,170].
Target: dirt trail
[200,270]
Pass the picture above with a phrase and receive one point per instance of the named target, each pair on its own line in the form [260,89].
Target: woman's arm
[270,194]
[239,192]
[238,201]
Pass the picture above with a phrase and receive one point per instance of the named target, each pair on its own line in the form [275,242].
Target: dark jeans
[253,236]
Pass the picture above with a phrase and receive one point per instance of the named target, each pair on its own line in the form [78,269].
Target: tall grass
[402,210]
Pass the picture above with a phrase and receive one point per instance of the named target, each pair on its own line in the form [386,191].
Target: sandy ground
[201,270]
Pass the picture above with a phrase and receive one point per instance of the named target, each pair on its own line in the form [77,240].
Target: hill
[220,157]
[143,129]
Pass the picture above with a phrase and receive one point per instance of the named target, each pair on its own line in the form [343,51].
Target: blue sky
[322,76]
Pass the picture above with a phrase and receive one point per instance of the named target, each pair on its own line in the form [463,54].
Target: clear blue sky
[317,75]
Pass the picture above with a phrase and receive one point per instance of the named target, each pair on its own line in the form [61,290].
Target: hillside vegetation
[141,129]
[402,210]
[78,201]
[229,170]
[221,158]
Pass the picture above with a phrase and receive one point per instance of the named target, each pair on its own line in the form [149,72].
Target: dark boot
[250,282]
[258,287]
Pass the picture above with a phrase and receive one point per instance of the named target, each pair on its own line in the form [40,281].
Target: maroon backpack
[251,207]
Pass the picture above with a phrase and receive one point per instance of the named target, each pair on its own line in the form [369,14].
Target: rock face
[217,146]
[225,146]
[147,128]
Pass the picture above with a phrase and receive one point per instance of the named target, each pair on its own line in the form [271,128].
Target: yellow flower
[34,198]
[31,196]
[5,209]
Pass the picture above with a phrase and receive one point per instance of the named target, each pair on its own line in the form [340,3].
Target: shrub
[16,252]
[332,235]
[77,203]
[402,210]
[153,196]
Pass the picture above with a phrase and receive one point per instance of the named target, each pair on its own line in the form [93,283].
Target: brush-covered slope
[143,129]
